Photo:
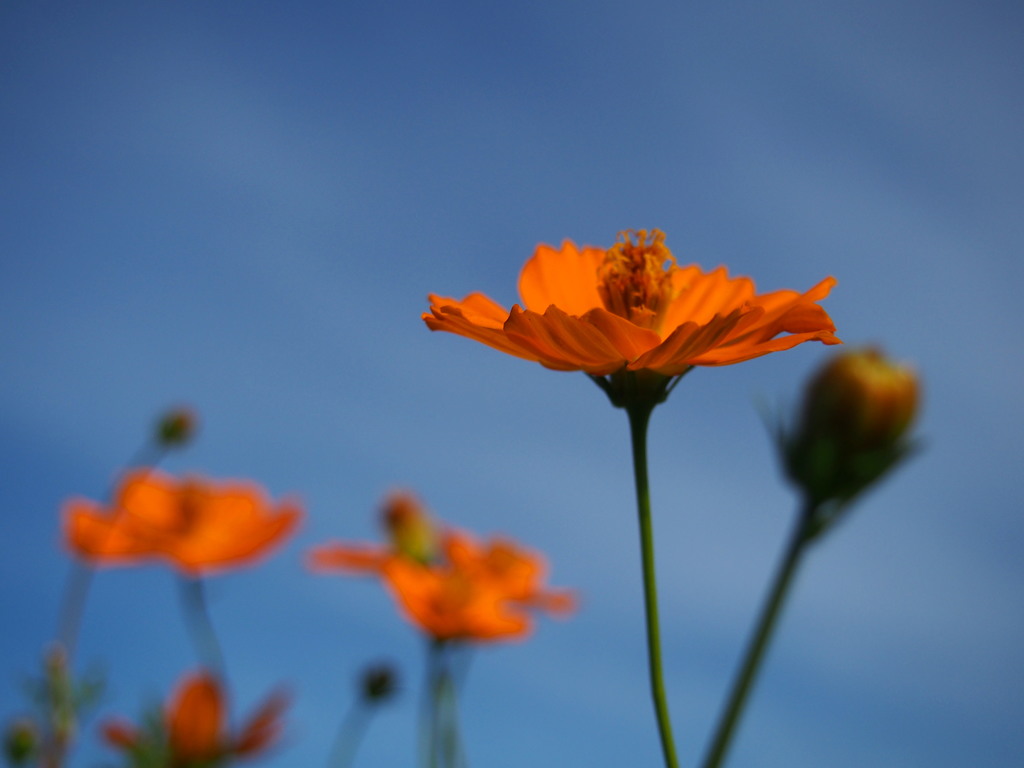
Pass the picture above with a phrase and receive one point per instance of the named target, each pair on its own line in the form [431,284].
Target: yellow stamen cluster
[636,277]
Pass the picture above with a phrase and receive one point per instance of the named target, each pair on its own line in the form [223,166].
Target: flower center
[190,502]
[635,279]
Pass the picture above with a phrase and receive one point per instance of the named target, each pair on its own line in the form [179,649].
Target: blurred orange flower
[464,591]
[195,724]
[631,307]
[198,525]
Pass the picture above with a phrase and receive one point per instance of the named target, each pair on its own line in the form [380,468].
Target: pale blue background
[242,206]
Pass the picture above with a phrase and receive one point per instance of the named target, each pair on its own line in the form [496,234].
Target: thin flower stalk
[200,626]
[639,418]
[377,685]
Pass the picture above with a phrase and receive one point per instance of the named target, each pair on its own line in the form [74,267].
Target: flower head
[465,591]
[632,308]
[193,731]
[197,525]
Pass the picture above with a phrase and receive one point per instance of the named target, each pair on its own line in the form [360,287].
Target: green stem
[639,417]
[440,743]
[201,628]
[350,733]
[758,645]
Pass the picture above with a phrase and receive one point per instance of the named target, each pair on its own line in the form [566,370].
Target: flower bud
[378,683]
[409,527]
[856,413]
[21,741]
[176,427]
[861,400]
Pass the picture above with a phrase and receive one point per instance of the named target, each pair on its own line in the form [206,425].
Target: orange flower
[194,727]
[632,308]
[197,525]
[466,591]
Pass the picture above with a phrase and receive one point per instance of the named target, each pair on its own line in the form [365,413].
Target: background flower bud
[861,400]
[176,427]
[852,426]
[409,527]
[378,683]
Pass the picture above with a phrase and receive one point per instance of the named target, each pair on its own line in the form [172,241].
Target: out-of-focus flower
[176,427]
[852,429]
[198,525]
[632,308]
[194,730]
[465,591]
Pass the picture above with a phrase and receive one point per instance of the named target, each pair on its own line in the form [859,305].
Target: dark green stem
[639,417]
[199,625]
[758,645]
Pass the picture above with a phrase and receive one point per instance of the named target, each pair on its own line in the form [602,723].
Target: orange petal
[348,558]
[264,727]
[196,719]
[454,318]
[565,278]
[121,734]
[781,312]
[564,342]
[677,353]
[703,295]
[628,339]
[477,308]
[231,536]
[101,538]
[148,495]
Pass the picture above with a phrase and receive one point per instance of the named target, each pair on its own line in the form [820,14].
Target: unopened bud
[176,427]
[21,741]
[861,400]
[409,527]
[378,683]
[855,416]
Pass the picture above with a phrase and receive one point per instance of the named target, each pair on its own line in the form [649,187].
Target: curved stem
[639,416]
[758,645]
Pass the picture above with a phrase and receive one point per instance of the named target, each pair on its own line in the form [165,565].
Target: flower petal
[565,278]
[781,312]
[464,319]
[703,295]
[196,719]
[348,558]
[677,353]
[263,728]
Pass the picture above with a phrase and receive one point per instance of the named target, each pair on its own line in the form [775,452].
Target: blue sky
[244,207]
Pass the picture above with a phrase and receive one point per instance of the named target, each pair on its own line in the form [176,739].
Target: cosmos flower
[197,525]
[463,590]
[193,731]
[632,308]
